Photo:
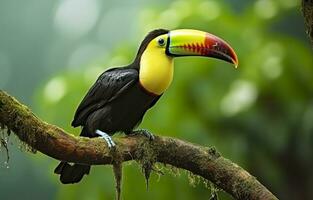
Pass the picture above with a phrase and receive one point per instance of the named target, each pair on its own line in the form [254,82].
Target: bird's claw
[146,133]
[107,138]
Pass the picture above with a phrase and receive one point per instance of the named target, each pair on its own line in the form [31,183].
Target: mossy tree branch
[307,9]
[56,143]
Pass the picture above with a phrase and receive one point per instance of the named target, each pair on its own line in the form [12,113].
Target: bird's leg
[144,132]
[106,137]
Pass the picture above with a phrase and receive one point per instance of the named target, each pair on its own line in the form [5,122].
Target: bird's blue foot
[145,133]
[106,137]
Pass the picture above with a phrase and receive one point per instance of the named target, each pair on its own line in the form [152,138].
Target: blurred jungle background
[259,116]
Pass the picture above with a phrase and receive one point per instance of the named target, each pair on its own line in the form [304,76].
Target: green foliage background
[259,115]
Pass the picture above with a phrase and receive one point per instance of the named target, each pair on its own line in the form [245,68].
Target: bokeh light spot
[116,25]
[273,54]
[272,67]
[184,8]
[75,18]
[209,10]
[265,8]
[241,96]
[170,19]
[55,90]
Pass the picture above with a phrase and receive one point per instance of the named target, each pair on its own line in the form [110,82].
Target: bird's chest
[128,110]
[156,72]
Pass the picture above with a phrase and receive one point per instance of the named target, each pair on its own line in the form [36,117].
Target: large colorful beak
[187,42]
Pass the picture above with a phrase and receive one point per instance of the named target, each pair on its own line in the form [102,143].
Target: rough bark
[56,143]
[307,9]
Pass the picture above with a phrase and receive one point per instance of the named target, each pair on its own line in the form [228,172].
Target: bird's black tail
[71,173]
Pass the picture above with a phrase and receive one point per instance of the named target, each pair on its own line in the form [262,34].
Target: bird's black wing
[109,86]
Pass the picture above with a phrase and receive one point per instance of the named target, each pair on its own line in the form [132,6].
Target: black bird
[121,96]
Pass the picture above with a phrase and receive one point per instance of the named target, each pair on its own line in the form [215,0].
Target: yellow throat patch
[156,69]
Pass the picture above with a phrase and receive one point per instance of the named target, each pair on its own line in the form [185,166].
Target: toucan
[120,97]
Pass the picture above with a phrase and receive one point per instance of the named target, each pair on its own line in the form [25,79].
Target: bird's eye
[161,42]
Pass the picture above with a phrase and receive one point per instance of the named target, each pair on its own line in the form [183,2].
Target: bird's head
[156,53]
[188,42]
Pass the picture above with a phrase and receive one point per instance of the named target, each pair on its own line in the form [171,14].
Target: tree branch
[307,10]
[56,143]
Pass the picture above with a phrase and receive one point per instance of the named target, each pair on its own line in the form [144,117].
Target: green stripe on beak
[188,42]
